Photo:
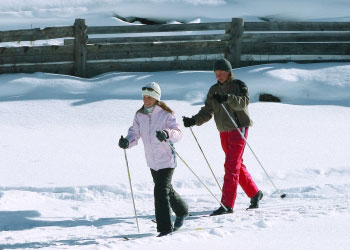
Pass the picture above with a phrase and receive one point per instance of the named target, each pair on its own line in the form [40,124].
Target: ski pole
[195,174]
[206,159]
[132,193]
[242,135]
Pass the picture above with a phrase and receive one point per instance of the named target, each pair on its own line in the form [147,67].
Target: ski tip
[251,208]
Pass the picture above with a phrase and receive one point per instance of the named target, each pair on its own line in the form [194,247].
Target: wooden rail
[36,34]
[88,51]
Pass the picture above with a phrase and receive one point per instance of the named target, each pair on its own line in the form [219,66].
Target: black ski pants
[165,199]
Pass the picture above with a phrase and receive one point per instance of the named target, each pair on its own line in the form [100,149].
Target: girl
[155,124]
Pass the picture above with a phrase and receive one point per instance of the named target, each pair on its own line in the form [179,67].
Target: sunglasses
[149,89]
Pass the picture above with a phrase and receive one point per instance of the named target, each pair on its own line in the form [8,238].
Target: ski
[251,208]
[180,230]
[195,229]
[134,236]
[190,217]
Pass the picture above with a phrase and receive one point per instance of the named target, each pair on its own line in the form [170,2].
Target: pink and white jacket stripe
[158,154]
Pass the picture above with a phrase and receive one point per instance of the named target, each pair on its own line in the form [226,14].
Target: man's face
[221,75]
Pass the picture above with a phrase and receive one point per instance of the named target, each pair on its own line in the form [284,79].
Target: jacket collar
[227,81]
[224,85]
[156,110]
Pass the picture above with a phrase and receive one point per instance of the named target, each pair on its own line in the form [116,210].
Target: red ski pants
[235,171]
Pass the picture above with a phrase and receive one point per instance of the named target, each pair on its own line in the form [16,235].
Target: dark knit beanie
[223,64]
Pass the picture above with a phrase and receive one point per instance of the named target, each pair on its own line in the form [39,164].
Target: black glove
[123,142]
[220,98]
[162,135]
[189,122]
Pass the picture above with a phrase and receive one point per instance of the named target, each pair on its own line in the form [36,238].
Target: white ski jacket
[158,154]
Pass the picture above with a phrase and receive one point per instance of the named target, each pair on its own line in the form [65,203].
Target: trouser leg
[162,186]
[247,183]
[233,145]
[178,205]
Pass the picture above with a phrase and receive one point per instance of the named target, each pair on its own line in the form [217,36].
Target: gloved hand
[220,98]
[162,135]
[188,122]
[123,142]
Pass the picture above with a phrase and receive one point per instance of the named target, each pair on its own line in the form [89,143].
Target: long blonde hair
[160,104]
[231,76]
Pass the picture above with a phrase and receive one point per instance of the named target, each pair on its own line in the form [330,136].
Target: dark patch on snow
[268,98]
[143,20]
[278,18]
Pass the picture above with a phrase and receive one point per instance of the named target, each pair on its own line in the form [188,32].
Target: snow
[63,179]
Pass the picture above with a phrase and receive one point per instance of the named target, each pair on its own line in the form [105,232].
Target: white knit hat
[153,90]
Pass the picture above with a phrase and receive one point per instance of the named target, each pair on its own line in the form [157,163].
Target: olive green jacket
[237,106]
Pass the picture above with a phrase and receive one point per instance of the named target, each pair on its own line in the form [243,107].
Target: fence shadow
[109,86]
[25,220]
[191,86]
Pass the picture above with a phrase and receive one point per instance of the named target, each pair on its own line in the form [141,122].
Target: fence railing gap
[88,51]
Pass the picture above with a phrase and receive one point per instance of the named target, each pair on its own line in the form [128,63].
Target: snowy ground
[63,179]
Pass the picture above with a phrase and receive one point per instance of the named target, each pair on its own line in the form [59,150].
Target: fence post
[233,53]
[80,47]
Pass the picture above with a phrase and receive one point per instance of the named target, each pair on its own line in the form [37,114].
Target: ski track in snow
[40,209]
[63,184]
[103,215]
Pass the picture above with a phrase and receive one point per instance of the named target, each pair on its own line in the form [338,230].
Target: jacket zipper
[150,139]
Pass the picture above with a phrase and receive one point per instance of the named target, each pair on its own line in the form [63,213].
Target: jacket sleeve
[134,133]
[239,101]
[206,112]
[173,129]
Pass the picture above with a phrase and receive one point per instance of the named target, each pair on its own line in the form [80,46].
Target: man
[233,94]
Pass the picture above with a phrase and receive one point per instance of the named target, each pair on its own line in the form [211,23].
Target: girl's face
[221,75]
[148,101]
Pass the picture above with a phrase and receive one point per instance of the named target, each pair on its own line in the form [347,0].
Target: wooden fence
[187,47]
